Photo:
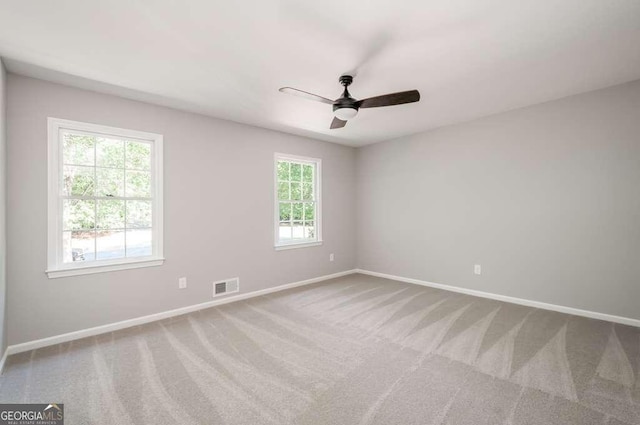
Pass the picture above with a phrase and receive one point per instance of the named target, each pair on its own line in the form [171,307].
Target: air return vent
[226,286]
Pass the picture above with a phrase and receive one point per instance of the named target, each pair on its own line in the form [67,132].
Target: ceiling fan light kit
[345,113]
[346,107]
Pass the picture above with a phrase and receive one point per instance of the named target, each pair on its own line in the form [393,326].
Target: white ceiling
[468,58]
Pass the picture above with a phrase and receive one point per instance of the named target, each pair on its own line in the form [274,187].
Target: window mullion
[103,166]
[104,198]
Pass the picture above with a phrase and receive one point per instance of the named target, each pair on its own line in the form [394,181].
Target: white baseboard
[57,339]
[529,303]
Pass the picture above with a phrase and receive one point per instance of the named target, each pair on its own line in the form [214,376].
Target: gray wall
[218,209]
[546,199]
[3,209]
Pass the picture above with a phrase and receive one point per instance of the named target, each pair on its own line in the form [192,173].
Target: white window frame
[317,197]
[55,266]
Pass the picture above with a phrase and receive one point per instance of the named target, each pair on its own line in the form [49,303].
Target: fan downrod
[346,81]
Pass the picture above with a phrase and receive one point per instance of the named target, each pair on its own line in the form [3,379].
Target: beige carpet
[354,350]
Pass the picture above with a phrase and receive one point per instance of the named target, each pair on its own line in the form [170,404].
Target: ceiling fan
[346,107]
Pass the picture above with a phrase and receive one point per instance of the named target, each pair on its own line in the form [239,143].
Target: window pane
[283,170]
[307,173]
[309,211]
[138,214]
[296,192]
[307,191]
[309,230]
[78,180]
[110,182]
[283,191]
[106,193]
[297,230]
[138,156]
[78,246]
[77,149]
[110,214]
[296,172]
[297,211]
[284,231]
[138,184]
[78,214]
[285,211]
[109,244]
[109,152]
[139,242]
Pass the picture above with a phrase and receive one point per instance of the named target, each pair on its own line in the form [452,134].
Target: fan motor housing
[345,102]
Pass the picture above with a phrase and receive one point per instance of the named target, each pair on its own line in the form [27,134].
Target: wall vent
[227,286]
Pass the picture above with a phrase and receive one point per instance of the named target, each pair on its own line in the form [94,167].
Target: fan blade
[390,99]
[306,95]
[337,123]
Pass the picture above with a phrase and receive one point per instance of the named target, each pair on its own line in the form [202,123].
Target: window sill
[297,245]
[102,268]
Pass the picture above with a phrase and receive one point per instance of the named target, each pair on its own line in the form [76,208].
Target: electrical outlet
[331,257]
[182,283]
[477,269]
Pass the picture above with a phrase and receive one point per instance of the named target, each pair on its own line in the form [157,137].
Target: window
[297,194]
[105,198]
